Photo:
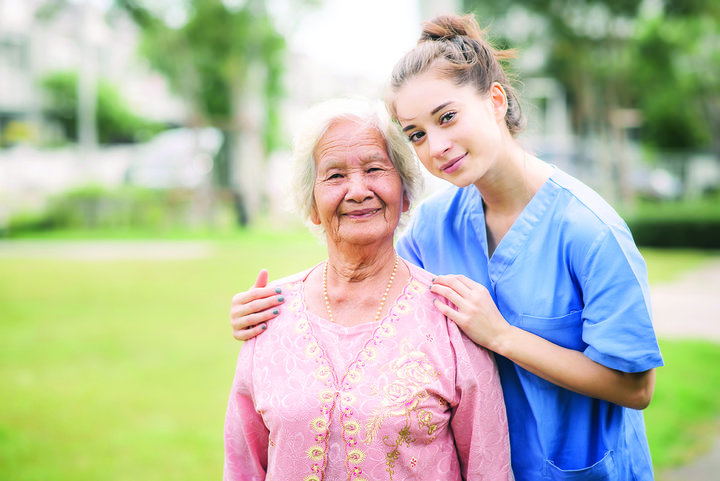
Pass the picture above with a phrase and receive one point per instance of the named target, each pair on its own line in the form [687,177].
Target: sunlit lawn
[117,369]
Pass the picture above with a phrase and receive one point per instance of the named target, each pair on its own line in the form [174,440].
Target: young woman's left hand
[472,309]
[475,312]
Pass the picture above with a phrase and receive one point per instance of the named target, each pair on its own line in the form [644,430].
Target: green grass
[682,420]
[120,369]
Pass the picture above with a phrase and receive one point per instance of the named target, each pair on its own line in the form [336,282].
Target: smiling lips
[361,213]
[453,164]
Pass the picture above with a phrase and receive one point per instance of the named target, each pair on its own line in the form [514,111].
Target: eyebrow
[434,111]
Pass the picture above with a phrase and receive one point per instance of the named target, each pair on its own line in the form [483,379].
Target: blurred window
[14,52]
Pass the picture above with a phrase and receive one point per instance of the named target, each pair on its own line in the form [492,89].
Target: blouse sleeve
[479,420]
[246,436]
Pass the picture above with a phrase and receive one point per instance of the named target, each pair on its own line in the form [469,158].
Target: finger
[240,323]
[257,294]
[452,313]
[450,294]
[262,278]
[245,334]
[460,284]
[239,308]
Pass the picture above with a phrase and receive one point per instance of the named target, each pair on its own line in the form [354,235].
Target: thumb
[262,278]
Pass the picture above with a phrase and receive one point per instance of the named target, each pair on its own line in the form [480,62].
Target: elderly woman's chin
[366,231]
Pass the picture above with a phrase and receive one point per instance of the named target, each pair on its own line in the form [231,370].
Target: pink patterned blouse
[407,398]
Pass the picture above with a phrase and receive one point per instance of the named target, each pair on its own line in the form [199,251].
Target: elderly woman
[360,377]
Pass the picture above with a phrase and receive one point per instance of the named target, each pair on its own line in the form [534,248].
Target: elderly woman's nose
[358,186]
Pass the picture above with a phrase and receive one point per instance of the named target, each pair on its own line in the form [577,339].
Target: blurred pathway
[689,308]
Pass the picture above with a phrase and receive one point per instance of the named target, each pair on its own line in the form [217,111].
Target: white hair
[369,112]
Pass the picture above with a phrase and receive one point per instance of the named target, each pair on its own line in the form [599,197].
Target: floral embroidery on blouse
[337,391]
[401,399]
[307,396]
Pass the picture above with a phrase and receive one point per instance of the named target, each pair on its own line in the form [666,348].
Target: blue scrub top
[568,270]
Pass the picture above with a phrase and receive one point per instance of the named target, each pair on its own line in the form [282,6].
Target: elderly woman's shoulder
[419,274]
[292,279]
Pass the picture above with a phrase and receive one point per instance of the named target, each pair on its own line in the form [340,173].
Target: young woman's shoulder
[585,202]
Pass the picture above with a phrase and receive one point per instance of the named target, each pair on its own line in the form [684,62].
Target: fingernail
[433,279]
[281,299]
[276,312]
[278,290]
[264,327]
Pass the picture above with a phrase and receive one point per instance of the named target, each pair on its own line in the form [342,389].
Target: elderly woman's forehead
[347,134]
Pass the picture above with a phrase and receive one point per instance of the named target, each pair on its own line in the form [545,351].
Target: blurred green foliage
[661,58]
[121,210]
[214,58]
[678,224]
[116,123]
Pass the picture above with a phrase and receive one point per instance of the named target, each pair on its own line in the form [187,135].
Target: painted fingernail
[433,279]
[281,299]
[276,312]
[278,290]
[264,327]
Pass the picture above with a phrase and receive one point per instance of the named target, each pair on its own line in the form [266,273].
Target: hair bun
[446,27]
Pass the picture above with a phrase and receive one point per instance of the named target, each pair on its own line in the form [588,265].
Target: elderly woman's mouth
[361,213]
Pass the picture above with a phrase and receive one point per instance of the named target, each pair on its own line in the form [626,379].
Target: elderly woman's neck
[358,264]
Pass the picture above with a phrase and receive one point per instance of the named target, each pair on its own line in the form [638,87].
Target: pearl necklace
[382,301]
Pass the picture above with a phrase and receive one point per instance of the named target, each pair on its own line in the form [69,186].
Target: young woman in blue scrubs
[538,268]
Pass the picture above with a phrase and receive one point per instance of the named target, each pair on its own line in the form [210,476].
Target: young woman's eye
[447,117]
[416,137]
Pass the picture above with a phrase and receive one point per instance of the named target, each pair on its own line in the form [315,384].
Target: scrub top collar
[517,236]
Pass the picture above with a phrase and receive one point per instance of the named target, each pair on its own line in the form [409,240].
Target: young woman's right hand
[250,310]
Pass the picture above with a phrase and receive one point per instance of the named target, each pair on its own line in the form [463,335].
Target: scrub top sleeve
[408,249]
[617,318]
[246,436]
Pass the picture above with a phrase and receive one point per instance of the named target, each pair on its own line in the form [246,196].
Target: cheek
[422,155]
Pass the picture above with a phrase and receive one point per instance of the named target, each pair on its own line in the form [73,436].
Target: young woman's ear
[499,100]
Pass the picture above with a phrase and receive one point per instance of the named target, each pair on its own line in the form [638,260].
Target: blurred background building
[196,101]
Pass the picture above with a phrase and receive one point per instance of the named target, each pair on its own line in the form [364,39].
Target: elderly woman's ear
[314,217]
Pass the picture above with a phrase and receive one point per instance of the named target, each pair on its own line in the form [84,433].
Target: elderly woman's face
[358,193]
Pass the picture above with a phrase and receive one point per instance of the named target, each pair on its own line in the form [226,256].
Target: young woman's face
[456,131]
[358,193]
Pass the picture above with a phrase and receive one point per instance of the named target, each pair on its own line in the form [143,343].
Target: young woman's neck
[514,179]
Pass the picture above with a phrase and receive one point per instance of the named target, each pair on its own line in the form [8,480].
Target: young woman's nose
[439,145]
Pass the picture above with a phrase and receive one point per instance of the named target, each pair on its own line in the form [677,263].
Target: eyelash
[445,118]
[338,175]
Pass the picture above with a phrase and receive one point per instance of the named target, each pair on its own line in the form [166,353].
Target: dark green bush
[677,233]
[688,224]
